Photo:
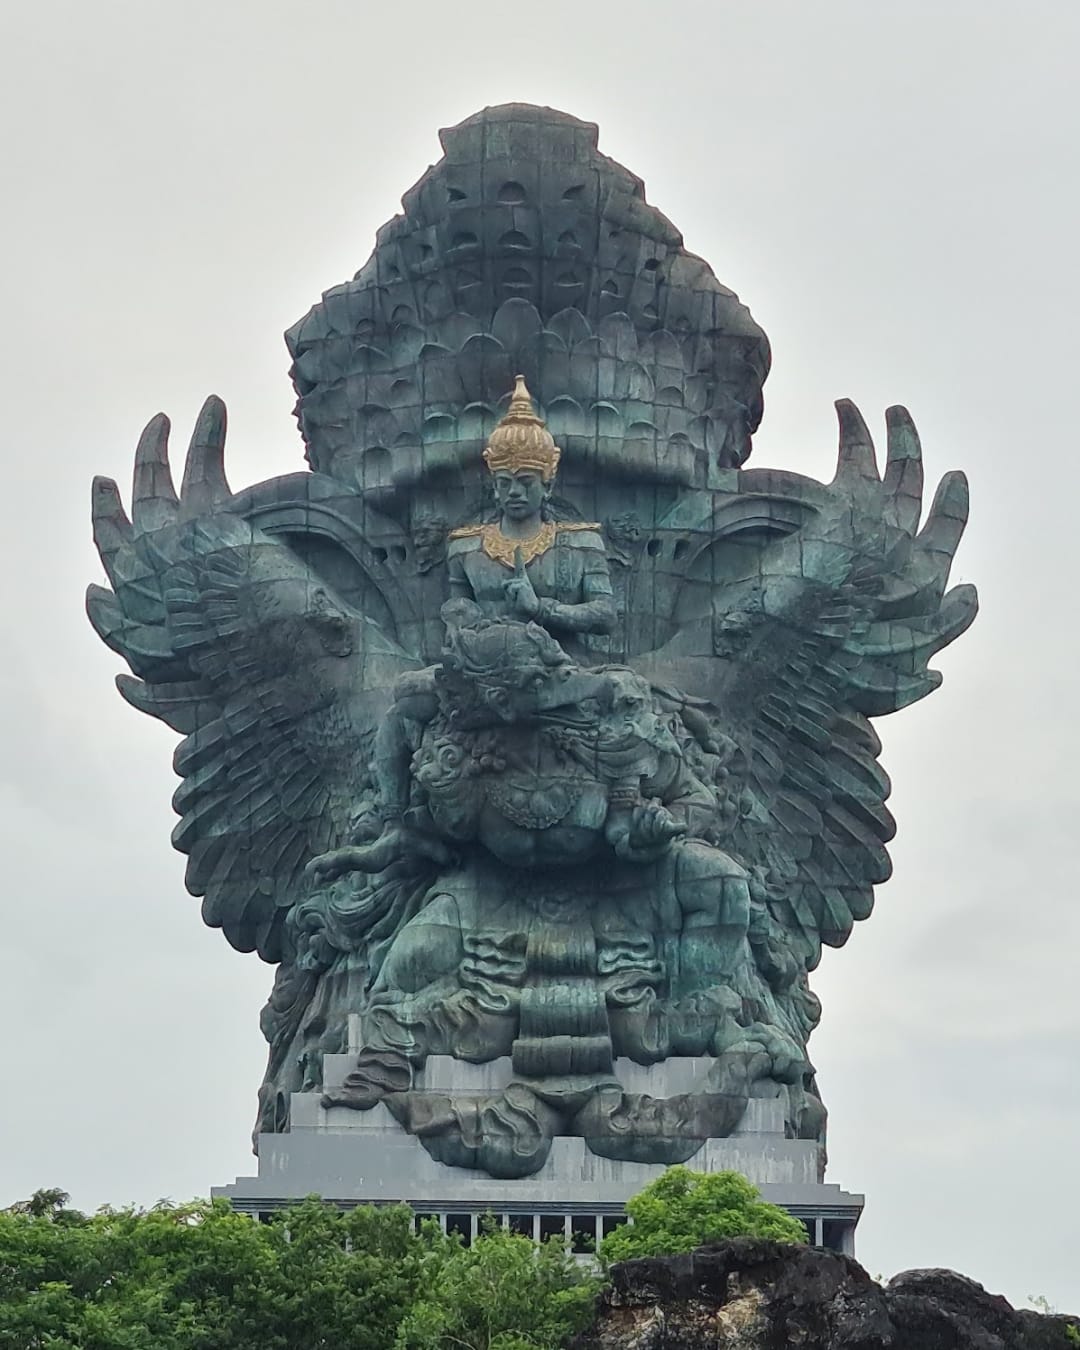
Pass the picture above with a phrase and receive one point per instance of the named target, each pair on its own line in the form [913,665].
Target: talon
[313,875]
[153,496]
[903,469]
[856,457]
[205,486]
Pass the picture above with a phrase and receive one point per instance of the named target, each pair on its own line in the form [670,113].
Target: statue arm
[594,616]
[596,612]
[459,582]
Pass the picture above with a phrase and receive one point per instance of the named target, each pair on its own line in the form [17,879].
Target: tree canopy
[199,1277]
[502,1293]
[682,1210]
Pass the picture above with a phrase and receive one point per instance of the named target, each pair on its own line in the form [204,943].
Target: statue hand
[645,834]
[395,842]
[327,867]
[653,826]
[519,591]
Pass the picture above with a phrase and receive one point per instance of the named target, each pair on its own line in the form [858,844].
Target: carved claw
[903,469]
[153,497]
[139,551]
[154,502]
[937,541]
[133,581]
[110,524]
[923,569]
[856,457]
[205,485]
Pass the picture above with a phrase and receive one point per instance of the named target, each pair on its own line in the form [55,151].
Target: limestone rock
[753,1295]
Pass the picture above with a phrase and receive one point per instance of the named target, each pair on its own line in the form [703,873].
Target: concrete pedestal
[364,1157]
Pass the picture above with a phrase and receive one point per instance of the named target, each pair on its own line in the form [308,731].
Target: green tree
[198,1277]
[683,1209]
[504,1292]
[48,1204]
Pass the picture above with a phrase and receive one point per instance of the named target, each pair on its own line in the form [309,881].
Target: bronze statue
[489,783]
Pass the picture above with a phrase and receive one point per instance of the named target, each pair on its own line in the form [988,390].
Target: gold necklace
[497,546]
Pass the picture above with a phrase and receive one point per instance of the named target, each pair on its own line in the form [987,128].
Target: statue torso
[557,573]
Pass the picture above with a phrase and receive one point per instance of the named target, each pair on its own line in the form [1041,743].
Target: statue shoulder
[581,534]
[464,540]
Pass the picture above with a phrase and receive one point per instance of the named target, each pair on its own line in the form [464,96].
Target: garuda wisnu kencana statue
[529,724]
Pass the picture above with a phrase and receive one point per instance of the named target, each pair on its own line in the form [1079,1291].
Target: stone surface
[363,1157]
[753,1295]
[543,747]
[360,1156]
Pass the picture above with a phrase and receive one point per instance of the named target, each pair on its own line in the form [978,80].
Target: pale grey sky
[892,188]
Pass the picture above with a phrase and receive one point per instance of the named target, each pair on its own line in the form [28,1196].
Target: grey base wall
[364,1157]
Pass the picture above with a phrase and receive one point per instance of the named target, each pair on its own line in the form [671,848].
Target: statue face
[520,495]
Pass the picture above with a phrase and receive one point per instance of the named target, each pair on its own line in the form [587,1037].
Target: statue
[568,566]
[491,779]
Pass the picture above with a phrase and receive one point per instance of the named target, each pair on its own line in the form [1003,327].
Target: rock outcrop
[753,1295]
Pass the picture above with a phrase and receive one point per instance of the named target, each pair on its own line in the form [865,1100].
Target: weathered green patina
[560,752]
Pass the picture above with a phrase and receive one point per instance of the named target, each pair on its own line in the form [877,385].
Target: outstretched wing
[835,624]
[274,682]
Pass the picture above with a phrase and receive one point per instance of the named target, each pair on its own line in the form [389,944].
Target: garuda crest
[529,724]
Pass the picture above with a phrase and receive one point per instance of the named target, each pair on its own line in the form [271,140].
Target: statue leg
[393,750]
[448,986]
[414,703]
[398,1026]
[714,900]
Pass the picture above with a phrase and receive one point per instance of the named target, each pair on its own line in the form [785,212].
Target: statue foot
[378,1074]
[507,1134]
[634,1127]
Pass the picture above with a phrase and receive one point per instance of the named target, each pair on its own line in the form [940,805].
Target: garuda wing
[273,680]
[819,632]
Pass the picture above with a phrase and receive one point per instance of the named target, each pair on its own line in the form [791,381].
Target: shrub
[502,1293]
[683,1209]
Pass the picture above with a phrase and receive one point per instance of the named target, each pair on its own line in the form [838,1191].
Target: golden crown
[521,442]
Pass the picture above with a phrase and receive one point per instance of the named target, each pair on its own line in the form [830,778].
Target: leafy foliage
[199,1277]
[682,1210]
[503,1293]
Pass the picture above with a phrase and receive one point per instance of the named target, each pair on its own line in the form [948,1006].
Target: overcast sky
[892,189]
